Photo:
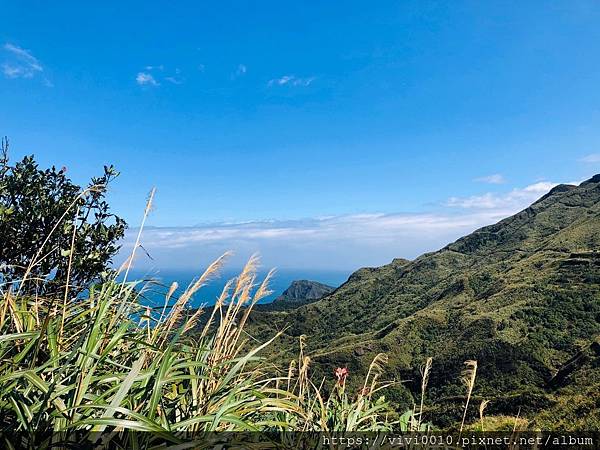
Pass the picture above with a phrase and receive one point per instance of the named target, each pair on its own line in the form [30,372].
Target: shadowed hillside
[522,297]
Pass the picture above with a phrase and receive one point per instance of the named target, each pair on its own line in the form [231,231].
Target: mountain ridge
[521,296]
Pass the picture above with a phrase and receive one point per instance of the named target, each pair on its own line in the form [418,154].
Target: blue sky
[322,134]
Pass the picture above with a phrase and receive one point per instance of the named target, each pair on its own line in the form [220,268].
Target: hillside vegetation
[522,297]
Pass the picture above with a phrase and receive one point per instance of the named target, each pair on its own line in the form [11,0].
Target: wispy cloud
[154,75]
[318,243]
[146,79]
[20,63]
[175,79]
[291,80]
[378,226]
[513,200]
[240,71]
[592,158]
[491,179]
[340,241]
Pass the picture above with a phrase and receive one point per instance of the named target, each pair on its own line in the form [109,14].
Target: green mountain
[522,297]
[299,292]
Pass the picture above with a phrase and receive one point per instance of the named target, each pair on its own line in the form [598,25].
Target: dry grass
[468,379]
[89,365]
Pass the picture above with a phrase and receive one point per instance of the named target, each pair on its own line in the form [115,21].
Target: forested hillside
[522,297]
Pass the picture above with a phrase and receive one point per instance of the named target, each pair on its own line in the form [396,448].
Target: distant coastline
[163,278]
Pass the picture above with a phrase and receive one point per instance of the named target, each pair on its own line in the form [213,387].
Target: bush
[54,235]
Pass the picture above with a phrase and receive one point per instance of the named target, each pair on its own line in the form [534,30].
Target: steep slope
[299,293]
[522,297]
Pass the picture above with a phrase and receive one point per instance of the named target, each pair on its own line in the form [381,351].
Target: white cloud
[592,158]
[346,241]
[291,80]
[492,179]
[145,79]
[22,64]
[175,79]
[30,62]
[513,200]
[334,242]
[11,71]
[240,71]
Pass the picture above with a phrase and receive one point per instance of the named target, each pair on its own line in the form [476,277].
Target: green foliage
[52,232]
[92,368]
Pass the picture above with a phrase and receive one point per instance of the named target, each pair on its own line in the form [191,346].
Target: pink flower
[341,373]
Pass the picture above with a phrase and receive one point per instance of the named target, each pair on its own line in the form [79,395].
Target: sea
[155,283]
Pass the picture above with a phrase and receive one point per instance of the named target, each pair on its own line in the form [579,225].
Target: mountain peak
[556,190]
[594,179]
[299,292]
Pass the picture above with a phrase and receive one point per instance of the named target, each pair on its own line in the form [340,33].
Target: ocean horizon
[157,282]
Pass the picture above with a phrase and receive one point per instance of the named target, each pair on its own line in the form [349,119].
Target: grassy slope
[521,297]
